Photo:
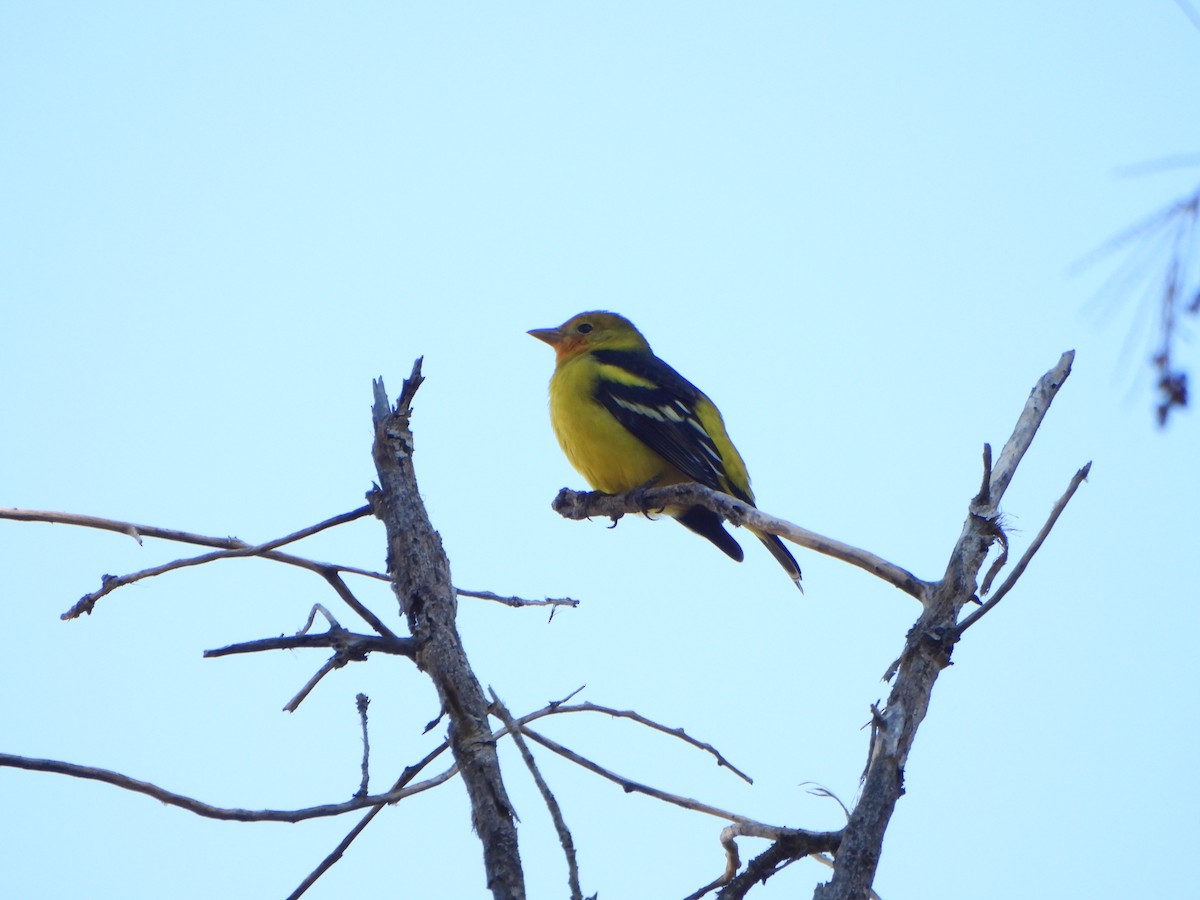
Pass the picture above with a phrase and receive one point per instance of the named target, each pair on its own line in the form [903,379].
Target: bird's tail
[783,555]
[707,523]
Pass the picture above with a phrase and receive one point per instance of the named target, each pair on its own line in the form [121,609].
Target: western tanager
[625,419]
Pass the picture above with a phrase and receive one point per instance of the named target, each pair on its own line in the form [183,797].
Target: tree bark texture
[927,651]
[420,575]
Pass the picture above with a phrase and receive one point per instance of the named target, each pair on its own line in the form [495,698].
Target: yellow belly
[596,444]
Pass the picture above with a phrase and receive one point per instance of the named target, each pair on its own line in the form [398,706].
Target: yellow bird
[625,418]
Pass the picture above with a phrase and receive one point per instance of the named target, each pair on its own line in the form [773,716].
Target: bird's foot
[638,496]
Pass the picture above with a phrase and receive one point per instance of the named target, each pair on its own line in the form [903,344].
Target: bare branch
[331,860]
[630,786]
[421,580]
[349,642]
[216,812]
[585,504]
[362,701]
[517,601]
[348,647]
[926,653]
[790,843]
[409,773]
[650,723]
[560,824]
[1001,561]
[234,548]
[334,662]
[1019,569]
[137,532]
[1035,410]
[373,803]
[332,575]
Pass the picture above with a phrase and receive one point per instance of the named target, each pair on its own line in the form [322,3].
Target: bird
[625,419]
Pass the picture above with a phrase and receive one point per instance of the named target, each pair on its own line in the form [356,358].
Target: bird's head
[591,331]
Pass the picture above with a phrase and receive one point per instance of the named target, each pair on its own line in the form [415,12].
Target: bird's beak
[552,336]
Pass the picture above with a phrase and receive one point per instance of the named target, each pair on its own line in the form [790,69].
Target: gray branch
[420,575]
[926,652]
[585,504]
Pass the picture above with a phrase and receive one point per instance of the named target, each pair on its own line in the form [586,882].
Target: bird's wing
[660,408]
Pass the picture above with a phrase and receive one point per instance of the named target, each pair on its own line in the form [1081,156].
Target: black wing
[664,417]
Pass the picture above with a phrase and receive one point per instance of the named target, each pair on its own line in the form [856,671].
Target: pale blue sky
[855,227]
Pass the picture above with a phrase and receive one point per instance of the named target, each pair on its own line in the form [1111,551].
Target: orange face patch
[565,344]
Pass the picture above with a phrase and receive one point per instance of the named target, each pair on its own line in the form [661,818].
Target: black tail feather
[784,557]
[707,523]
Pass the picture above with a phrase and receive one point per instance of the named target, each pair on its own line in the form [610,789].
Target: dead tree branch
[231,548]
[218,812]
[635,787]
[586,504]
[362,701]
[560,824]
[655,726]
[409,773]
[235,548]
[351,643]
[517,602]
[926,652]
[788,845]
[1023,562]
[421,579]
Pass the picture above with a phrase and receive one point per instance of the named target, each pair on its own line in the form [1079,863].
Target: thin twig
[333,576]
[1036,407]
[354,644]
[362,701]
[517,601]
[334,624]
[409,773]
[336,854]
[818,790]
[650,723]
[630,786]
[1033,548]
[560,824]
[232,548]
[334,662]
[348,647]
[137,532]
[1001,538]
[375,803]
[216,812]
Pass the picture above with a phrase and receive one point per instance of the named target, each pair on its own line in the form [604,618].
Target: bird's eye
[583,328]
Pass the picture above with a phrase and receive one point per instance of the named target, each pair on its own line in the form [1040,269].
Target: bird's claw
[638,496]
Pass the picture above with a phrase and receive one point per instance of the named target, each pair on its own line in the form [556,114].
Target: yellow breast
[598,446]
